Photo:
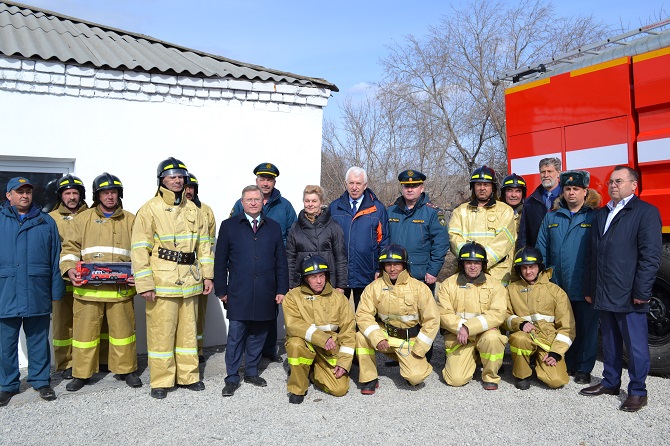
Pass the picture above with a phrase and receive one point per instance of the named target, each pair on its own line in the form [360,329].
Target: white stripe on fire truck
[529,165]
[596,156]
[654,150]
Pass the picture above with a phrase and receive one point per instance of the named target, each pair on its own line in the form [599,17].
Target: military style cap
[268,169]
[411,177]
[579,178]
[17,182]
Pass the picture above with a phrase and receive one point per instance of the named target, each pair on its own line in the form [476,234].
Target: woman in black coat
[316,233]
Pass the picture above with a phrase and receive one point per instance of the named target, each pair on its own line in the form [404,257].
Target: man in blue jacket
[30,280]
[250,278]
[280,210]
[365,225]
[564,240]
[419,226]
[626,246]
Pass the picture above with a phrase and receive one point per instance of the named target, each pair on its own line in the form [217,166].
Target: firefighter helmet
[393,253]
[191,180]
[528,255]
[106,181]
[514,180]
[484,174]
[473,252]
[313,264]
[70,182]
[171,166]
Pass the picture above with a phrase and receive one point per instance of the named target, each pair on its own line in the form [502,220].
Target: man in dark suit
[626,246]
[250,277]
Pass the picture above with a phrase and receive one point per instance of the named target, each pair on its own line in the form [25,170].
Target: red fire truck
[595,108]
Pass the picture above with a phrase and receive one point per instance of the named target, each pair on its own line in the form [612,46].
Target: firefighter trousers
[462,361]
[202,314]
[87,324]
[522,348]
[171,341]
[309,361]
[413,368]
[61,329]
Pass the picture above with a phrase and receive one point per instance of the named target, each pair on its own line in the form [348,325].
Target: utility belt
[182,258]
[401,333]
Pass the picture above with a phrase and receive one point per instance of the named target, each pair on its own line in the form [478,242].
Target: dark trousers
[244,337]
[581,357]
[36,329]
[270,345]
[630,329]
[357,295]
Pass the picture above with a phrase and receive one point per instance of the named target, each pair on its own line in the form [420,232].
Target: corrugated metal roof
[32,32]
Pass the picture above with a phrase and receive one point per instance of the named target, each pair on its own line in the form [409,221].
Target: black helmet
[70,182]
[191,180]
[514,180]
[528,256]
[106,181]
[473,252]
[484,174]
[393,253]
[313,264]
[171,166]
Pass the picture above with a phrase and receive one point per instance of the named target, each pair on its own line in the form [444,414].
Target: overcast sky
[340,41]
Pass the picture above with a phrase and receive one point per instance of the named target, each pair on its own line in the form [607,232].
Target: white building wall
[126,122]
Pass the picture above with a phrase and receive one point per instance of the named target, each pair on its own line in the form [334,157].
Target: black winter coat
[323,237]
[625,260]
[533,213]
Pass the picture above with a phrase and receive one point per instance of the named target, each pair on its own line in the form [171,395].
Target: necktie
[353,206]
[255,226]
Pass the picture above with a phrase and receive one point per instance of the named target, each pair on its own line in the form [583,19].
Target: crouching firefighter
[320,333]
[397,315]
[472,307]
[541,321]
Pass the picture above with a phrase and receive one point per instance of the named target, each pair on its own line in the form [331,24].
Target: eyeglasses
[252,200]
[618,182]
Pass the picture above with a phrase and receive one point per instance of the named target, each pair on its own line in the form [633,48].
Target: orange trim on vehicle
[665,229]
[651,55]
[528,85]
[600,66]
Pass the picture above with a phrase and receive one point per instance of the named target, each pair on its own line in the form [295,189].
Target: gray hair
[251,188]
[356,172]
[556,162]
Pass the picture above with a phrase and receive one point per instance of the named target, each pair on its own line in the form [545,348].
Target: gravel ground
[108,412]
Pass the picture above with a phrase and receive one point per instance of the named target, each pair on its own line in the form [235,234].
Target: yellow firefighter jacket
[178,227]
[211,222]
[493,226]
[64,219]
[479,306]
[315,318]
[547,306]
[407,303]
[94,238]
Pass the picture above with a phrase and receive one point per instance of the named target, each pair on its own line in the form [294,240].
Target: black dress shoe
[67,373]
[274,357]
[295,399]
[132,380]
[76,384]
[583,378]
[598,389]
[229,389]
[159,393]
[103,368]
[5,397]
[522,384]
[633,403]
[196,386]
[256,381]
[47,393]
[571,372]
